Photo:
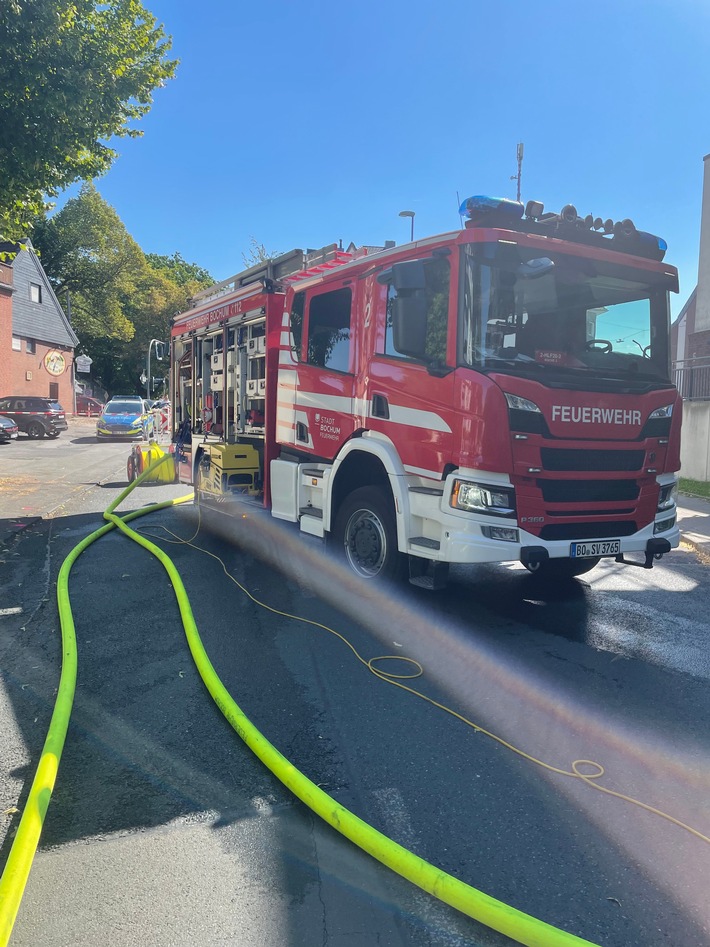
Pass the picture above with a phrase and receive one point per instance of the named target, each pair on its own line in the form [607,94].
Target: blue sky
[301,124]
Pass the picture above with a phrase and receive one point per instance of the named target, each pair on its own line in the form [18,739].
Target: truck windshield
[560,315]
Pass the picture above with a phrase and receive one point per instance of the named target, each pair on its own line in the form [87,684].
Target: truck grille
[559,459]
[588,491]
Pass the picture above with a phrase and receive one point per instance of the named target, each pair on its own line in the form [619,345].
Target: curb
[701,550]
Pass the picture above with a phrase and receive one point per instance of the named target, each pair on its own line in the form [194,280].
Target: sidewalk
[694,522]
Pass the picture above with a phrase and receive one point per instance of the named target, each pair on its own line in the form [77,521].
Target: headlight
[667,496]
[520,404]
[483,498]
[664,412]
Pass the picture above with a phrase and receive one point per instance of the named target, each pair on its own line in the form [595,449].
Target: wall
[702,312]
[40,328]
[31,377]
[5,328]
[695,441]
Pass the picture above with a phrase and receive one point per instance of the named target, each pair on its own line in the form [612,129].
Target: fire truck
[498,393]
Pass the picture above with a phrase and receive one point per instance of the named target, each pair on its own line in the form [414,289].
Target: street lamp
[408,213]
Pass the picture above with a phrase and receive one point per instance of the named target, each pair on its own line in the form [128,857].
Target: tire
[365,534]
[53,434]
[562,569]
[35,430]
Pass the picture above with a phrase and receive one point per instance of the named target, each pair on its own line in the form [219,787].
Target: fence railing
[692,378]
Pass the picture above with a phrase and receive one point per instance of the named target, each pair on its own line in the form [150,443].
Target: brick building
[36,340]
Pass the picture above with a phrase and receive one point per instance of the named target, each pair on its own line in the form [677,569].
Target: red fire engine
[496,393]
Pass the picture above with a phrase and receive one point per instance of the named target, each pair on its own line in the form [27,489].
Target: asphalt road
[165,830]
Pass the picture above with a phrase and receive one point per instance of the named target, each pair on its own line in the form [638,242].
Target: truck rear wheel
[561,569]
[366,533]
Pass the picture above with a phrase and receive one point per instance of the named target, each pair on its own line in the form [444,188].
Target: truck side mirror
[409,325]
[405,276]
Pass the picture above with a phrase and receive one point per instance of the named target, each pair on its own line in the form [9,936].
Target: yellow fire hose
[495,914]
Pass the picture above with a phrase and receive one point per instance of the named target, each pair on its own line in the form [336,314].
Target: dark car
[8,429]
[34,416]
[89,406]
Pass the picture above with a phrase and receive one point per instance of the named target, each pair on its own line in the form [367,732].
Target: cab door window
[328,342]
[437,274]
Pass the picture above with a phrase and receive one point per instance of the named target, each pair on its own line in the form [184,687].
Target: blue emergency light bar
[622,236]
[481,205]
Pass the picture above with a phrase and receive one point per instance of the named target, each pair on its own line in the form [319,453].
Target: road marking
[10,611]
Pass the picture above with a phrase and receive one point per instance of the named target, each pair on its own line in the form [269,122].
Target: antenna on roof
[517,177]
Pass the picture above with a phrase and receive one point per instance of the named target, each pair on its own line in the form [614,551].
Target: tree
[179,270]
[73,74]
[86,249]
[120,297]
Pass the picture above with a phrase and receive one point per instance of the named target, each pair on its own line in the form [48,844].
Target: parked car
[34,416]
[89,406]
[8,429]
[122,419]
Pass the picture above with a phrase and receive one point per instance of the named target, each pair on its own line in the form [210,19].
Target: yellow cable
[589,778]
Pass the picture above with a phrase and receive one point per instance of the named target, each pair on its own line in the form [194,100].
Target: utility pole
[517,177]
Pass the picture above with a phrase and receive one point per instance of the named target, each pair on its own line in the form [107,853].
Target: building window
[30,346]
[54,390]
[16,344]
[35,293]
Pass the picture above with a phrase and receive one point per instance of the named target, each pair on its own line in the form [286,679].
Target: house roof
[689,303]
[43,321]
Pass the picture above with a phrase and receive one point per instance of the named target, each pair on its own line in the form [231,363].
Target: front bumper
[120,434]
[443,534]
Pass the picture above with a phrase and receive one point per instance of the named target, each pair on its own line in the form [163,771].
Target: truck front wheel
[366,532]
[561,569]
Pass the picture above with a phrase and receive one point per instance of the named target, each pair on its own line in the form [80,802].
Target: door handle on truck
[301,432]
[380,407]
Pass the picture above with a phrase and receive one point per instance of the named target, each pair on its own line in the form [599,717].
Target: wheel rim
[33,430]
[365,543]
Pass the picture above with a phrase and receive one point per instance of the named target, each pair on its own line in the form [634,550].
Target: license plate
[603,547]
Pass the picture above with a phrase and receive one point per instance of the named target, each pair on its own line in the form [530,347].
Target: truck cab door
[323,417]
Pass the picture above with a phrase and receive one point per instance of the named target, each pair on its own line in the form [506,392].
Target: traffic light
[160,350]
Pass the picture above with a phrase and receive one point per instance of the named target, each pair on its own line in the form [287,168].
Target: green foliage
[86,249]
[179,270]
[120,299]
[73,74]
